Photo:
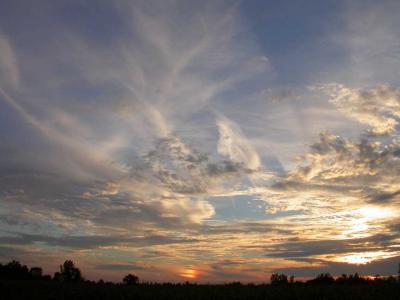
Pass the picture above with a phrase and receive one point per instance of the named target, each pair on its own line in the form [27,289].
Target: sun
[189,273]
[372,213]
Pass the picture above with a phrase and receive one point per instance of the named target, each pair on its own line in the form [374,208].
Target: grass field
[296,291]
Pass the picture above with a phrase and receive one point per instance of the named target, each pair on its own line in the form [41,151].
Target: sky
[208,141]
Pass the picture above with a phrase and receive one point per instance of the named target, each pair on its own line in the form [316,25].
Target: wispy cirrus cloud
[110,117]
[9,71]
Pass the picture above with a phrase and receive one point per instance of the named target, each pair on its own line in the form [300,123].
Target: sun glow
[363,221]
[362,258]
[189,273]
[372,213]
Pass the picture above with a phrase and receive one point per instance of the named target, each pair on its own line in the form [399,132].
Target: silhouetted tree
[36,272]
[130,279]
[68,272]
[57,276]
[391,279]
[344,287]
[14,271]
[46,277]
[354,279]
[325,278]
[342,279]
[398,274]
[278,279]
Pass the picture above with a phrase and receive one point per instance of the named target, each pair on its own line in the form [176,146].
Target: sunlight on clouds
[362,258]
[366,105]
[192,211]
[372,213]
[366,221]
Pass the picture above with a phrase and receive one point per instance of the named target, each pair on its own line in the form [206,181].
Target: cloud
[326,248]
[369,165]
[378,107]
[90,242]
[342,181]
[234,145]
[120,267]
[9,71]
[370,39]
[98,106]
[334,158]
[119,146]
[383,267]
[100,116]
[339,180]
[85,160]
[184,169]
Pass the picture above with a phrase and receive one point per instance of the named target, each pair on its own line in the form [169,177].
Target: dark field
[299,291]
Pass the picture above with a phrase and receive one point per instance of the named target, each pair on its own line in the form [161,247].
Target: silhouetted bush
[36,272]
[14,271]
[325,278]
[277,279]
[68,273]
[131,279]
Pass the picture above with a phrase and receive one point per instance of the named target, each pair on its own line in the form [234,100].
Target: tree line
[14,270]
[327,278]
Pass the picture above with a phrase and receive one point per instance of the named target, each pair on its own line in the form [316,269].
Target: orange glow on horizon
[189,273]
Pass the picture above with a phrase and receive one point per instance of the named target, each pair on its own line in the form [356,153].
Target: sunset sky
[211,141]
